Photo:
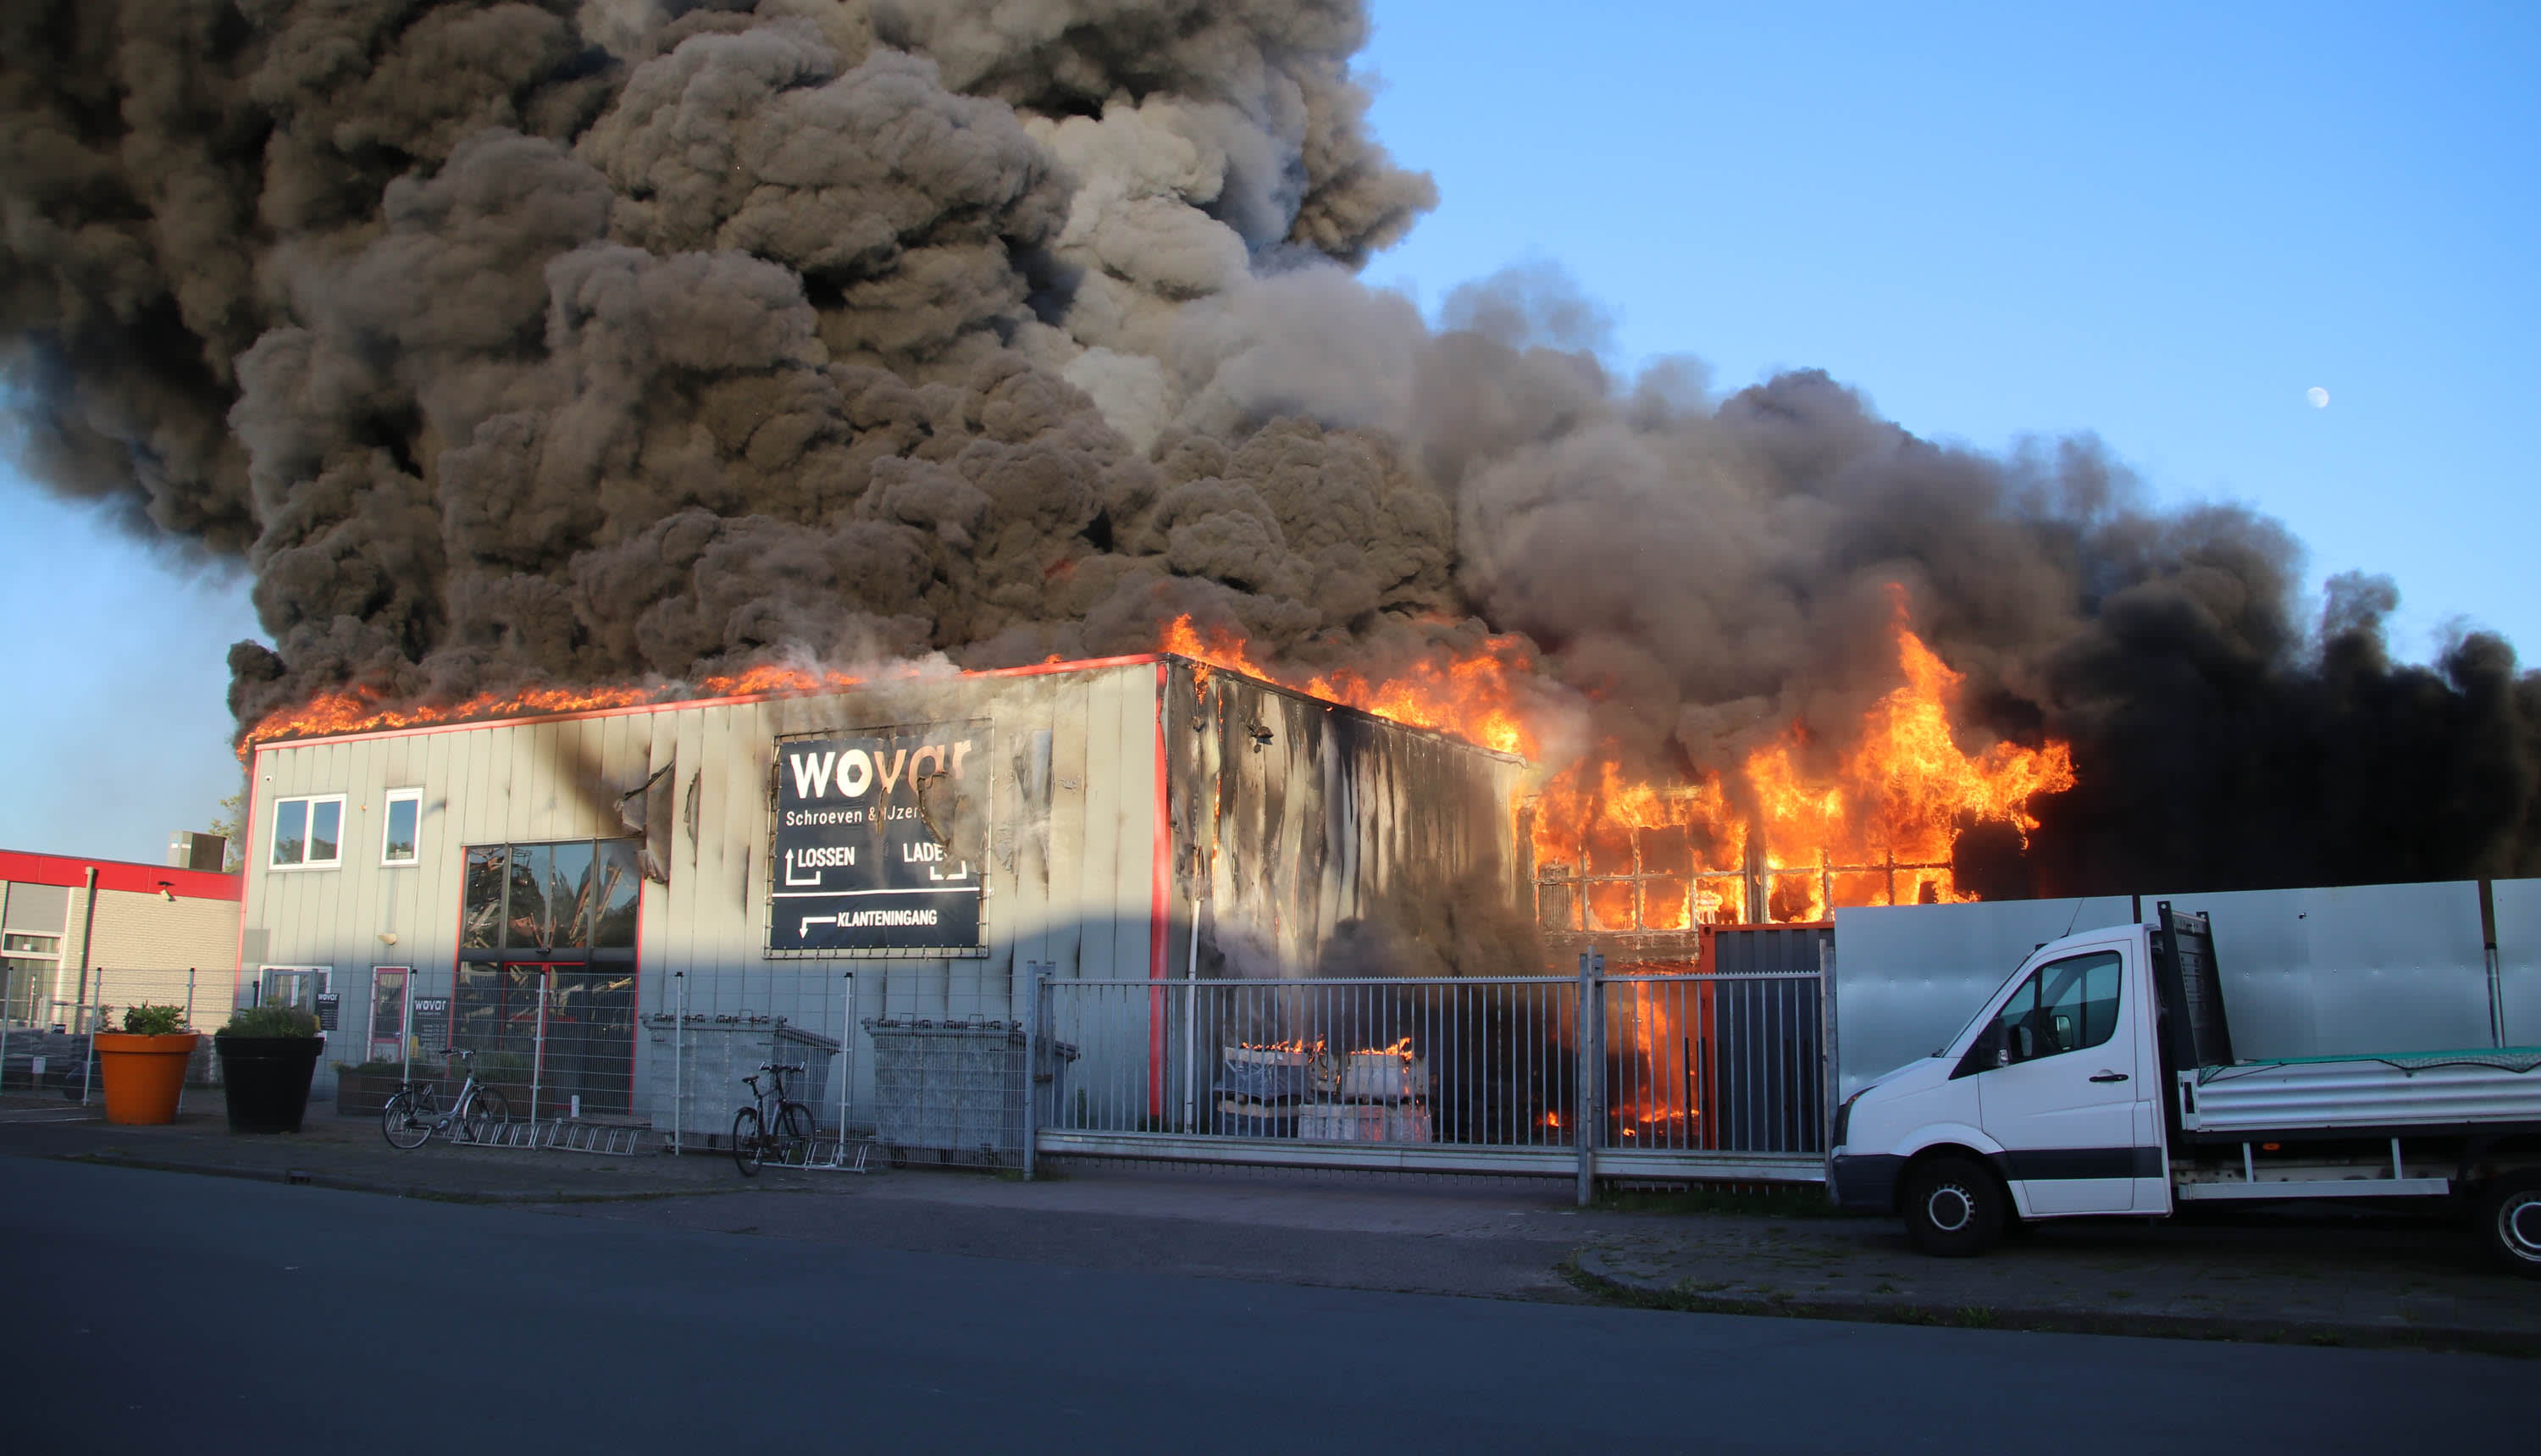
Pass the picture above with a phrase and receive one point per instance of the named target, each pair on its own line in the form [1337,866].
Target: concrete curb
[1593,1271]
[345,1182]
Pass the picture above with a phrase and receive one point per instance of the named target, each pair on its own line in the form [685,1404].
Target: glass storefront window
[616,878]
[481,919]
[527,920]
[575,895]
[570,895]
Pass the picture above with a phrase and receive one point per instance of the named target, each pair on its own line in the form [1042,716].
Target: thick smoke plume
[603,339]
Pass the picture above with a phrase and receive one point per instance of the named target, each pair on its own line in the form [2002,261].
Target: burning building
[575,890]
[520,346]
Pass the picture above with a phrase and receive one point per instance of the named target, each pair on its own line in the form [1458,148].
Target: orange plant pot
[143,1075]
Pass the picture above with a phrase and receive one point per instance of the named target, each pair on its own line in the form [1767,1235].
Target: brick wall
[144,945]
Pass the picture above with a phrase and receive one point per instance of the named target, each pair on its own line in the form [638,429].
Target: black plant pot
[265,1081]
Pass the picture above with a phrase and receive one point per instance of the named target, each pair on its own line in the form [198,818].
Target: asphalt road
[144,1311]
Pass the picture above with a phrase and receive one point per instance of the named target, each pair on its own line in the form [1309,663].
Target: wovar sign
[881,843]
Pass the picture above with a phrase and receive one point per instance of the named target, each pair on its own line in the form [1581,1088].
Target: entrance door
[2063,1106]
[552,1033]
[388,1012]
[590,1048]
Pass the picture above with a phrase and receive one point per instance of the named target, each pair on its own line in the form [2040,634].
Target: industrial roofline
[669,704]
[1328,705]
[131,875]
[1134,659]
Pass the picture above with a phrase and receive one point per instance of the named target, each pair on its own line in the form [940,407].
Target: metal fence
[912,1063]
[47,1018]
[1686,1076]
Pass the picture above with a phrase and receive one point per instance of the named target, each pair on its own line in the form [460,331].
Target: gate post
[96,1017]
[679,1036]
[1037,984]
[1830,1062]
[1591,1058]
[539,1049]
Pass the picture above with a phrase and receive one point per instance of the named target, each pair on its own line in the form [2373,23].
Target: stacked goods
[1382,1095]
[1260,1088]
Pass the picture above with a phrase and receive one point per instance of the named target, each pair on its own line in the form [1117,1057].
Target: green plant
[153,1021]
[270,1021]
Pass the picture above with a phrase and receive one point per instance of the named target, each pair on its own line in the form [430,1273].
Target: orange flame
[1880,830]
[1764,840]
[1402,1048]
[361,710]
[1474,697]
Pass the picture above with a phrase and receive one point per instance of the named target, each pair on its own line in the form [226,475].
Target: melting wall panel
[1314,838]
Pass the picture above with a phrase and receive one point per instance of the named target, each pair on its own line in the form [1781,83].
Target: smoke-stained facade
[575,883]
[622,340]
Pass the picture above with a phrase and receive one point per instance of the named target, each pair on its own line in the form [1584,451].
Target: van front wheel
[1953,1208]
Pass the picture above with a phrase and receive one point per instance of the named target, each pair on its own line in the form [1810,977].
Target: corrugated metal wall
[1314,837]
[1298,825]
[1073,805]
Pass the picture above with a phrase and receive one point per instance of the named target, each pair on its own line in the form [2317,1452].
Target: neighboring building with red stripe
[78,931]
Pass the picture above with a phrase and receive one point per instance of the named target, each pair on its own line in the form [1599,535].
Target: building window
[405,815]
[576,896]
[546,967]
[292,985]
[27,970]
[307,833]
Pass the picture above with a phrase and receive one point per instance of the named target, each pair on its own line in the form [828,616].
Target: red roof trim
[457,725]
[25,868]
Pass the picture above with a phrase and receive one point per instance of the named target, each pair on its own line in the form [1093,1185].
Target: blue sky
[2161,224]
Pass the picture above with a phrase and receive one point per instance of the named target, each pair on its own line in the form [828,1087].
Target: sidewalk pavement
[2337,1279]
[2289,1277]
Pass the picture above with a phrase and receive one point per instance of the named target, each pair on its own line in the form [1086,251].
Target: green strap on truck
[2518,1059]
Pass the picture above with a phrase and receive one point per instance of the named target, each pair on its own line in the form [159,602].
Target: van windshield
[1983,1008]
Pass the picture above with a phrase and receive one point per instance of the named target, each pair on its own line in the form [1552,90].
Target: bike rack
[607,1139]
[563,1135]
[829,1153]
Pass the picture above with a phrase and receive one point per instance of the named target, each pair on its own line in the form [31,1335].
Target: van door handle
[2110,1077]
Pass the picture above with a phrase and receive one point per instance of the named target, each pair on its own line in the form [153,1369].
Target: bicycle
[752,1142]
[415,1114]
